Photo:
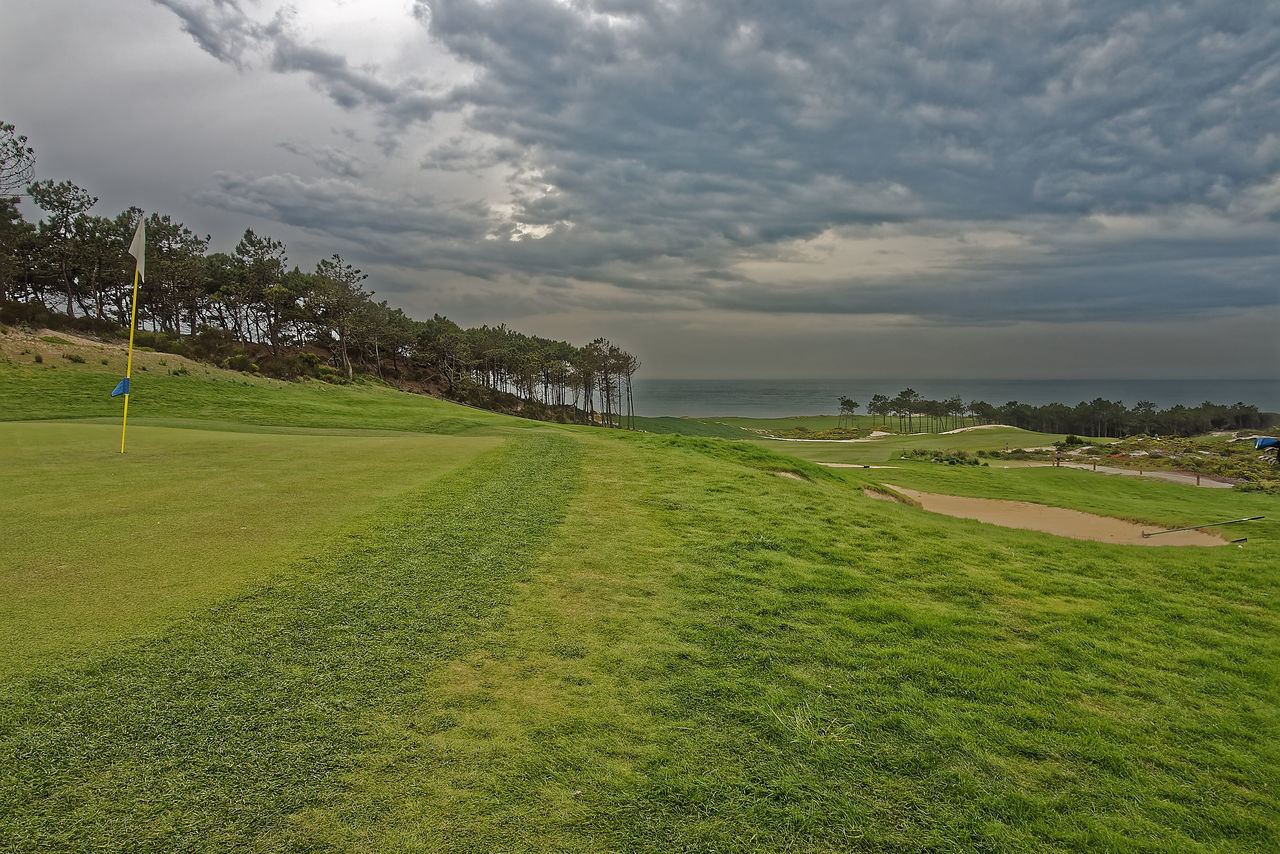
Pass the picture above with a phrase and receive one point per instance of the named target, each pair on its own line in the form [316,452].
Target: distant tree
[338,300]
[176,273]
[15,235]
[984,412]
[65,203]
[262,269]
[954,408]
[906,404]
[17,160]
[630,364]
[880,405]
[1143,416]
[848,408]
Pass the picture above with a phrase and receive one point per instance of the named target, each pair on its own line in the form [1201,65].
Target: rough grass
[30,391]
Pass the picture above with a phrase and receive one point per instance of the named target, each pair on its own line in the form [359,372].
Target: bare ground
[1055,520]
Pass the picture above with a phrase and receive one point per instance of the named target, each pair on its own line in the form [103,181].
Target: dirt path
[1055,520]
[1204,481]
[854,466]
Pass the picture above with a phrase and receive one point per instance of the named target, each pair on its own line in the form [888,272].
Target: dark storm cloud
[981,109]
[347,211]
[221,28]
[679,139]
[1101,291]
[227,32]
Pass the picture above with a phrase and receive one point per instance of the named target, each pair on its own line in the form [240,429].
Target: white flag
[138,249]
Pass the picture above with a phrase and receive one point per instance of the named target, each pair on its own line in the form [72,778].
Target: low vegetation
[535,637]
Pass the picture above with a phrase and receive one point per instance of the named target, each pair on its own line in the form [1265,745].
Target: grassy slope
[57,388]
[587,641]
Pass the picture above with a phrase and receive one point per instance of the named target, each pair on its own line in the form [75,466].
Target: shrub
[309,365]
[74,357]
[39,359]
[240,362]
[951,458]
[329,374]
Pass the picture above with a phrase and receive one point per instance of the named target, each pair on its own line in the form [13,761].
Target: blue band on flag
[1264,442]
[121,388]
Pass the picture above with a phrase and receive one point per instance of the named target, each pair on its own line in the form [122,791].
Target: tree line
[249,309]
[1098,417]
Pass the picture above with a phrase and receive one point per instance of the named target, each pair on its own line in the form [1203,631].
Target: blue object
[121,388]
[1264,442]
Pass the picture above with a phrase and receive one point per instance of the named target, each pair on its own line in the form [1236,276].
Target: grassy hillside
[167,387]
[545,639]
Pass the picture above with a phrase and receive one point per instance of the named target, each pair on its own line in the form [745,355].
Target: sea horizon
[777,398]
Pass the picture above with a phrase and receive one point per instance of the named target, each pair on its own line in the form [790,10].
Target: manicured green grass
[691,427]
[887,448]
[866,423]
[809,422]
[585,640]
[104,545]
[239,725]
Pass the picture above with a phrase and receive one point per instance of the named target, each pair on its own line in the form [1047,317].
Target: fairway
[887,448]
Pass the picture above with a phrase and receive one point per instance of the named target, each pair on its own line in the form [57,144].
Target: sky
[738,188]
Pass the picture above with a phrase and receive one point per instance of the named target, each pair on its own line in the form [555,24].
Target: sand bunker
[1055,520]
[871,437]
[978,427]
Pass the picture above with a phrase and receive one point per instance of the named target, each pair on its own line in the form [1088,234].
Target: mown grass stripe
[215,734]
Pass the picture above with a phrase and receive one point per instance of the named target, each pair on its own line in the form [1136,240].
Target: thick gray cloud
[981,164]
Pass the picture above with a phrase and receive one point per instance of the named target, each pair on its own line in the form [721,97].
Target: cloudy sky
[737,188]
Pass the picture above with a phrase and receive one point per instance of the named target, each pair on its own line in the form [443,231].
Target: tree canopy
[249,309]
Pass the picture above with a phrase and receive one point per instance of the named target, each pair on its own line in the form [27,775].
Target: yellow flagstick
[138,249]
[128,370]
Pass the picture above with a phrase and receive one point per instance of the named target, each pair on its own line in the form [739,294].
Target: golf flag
[138,249]
[1264,442]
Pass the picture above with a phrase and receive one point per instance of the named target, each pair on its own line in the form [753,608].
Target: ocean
[779,398]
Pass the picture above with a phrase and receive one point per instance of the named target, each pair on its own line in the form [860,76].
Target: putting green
[103,545]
